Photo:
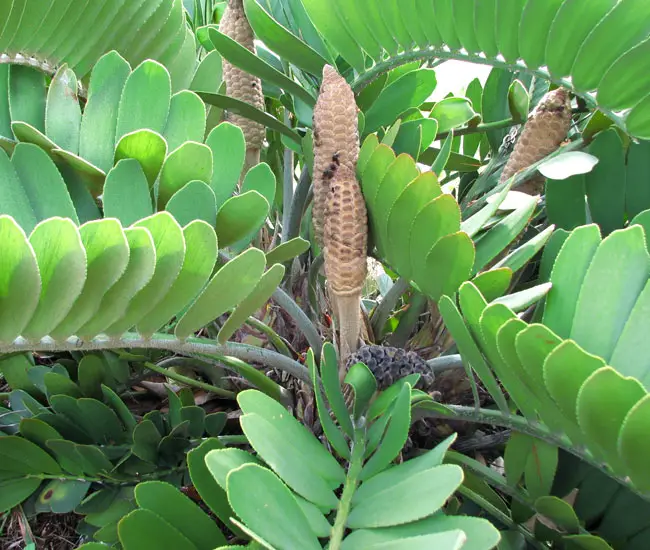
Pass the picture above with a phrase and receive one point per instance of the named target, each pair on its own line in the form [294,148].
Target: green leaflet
[170,252]
[126,193]
[191,161]
[171,505]
[186,121]
[107,256]
[140,270]
[226,141]
[253,302]
[195,201]
[200,258]
[240,217]
[411,90]
[145,100]
[62,111]
[147,147]
[20,282]
[232,283]
[62,264]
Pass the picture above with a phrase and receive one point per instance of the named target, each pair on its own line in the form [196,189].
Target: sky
[454,76]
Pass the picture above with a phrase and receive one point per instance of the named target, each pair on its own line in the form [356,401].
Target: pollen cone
[345,244]
[545,130]
[240,84]
[336,139]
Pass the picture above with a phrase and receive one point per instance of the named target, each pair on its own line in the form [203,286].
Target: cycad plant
[253,278]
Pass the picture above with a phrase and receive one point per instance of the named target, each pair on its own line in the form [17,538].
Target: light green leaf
[170,252]
[147,147]
[140,270]
[62,264]
[200,257]
[266,505]
[411,90]
[63,112]
[195,201]
[107,256]
[99,120]
[126,193]
[14,200]
[172,506]
[260,178]
[191,161]
[414,497]
[232,284]
[145,100]
[144,530]
[568,164]
[240,217]
[253,302]
[287,251]
[602,431]
[226,141]
[452,113]
[20,282]
[186,121]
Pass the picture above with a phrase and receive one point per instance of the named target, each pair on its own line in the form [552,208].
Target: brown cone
[336,139]
[543,133]
[345,243]
[240,84]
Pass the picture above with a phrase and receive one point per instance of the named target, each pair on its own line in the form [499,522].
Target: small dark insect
[336,158]
[254,84]
[328,174]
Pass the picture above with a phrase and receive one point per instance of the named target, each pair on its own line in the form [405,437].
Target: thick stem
[348,313]
[445,54]
[351,482]
[191,346]
[524,426]
[445,362]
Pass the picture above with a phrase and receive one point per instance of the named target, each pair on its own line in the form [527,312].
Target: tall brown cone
[543,133]
[240,84]
[336,139]
[345,243]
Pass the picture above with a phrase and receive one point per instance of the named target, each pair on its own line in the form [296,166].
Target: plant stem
[189,381]
[445,362]
[382,311]
[297,208]
[524,426]
[351,482]
[484,127]
[257,378]
[273,336]
[300,318]
[287,184]
[312,284]
[131,340]
[439,53]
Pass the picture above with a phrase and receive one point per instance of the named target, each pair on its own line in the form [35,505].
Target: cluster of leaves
[137,186]
[289,499]
[73,445]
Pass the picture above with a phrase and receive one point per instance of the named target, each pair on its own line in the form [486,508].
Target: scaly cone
[242,85]
[345,246]
[543,133]
[336,139]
